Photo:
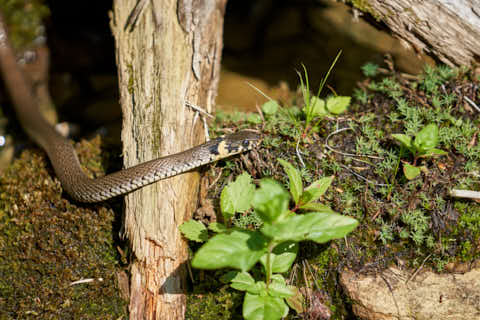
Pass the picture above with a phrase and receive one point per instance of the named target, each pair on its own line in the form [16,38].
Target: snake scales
[64,159]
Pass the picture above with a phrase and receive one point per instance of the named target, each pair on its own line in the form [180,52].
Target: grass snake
[64,159]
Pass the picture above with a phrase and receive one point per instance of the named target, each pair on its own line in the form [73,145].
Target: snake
[64,159]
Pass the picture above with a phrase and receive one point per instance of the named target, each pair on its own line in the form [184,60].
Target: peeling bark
[171,55]
[446,29]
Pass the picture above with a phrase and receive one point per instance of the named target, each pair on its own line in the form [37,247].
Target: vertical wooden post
[172,55]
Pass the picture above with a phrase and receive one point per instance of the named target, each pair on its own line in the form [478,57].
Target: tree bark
[171,55]
[446,29]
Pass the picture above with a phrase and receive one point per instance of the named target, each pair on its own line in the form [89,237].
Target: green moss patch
[24,21]
[47,243]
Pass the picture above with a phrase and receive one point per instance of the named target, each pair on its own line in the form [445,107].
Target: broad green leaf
[243,281]
[237,196]
[217,227]
[315,206]
[254,118]
[337,105]
[270,201]
[194,230]
[270,107]
[316,108]
[239,249]
[281,257]
[297,301]
[296,185]
[433,152]
[315,190]
[278,287]
[427,138]
[411,172]
[227,277]
[404,139]
[256,307]
[316,226]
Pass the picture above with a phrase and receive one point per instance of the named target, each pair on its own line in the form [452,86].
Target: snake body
[64,159]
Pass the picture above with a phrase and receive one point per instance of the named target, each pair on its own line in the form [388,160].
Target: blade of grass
[324,80]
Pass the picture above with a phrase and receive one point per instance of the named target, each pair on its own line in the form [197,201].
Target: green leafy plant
[313,105]
[332,106]
[370,69]
[422,146]
[275,245]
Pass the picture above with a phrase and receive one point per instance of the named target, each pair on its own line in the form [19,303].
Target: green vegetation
[392,123]
[274,245]
[370,69]
[423,146]
[24,21]
[351,162]
[47,244]
[313,106]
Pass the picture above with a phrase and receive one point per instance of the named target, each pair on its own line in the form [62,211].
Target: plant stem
[268,268]
[392,183]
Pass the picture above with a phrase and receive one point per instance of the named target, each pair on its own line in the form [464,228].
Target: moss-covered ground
[47,243]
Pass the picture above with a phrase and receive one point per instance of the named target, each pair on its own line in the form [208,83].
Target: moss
[364,5]
[221,303]
[24,20]
[131,79]
[47,242]
[467,232]
[326,259]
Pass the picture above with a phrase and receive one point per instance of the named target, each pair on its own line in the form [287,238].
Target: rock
[392,294]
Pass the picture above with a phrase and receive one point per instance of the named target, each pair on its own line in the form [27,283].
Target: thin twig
[363,178]
[205,129]
[298,154]
[419,268]
[293,274]
[307,283]
[312,274]
[199,109]
[470,194]
[345,153]
[201,112]
[259,91]
[196,115]
[260,112]
[190,273]
[473,104]
[391,292]
[85,281]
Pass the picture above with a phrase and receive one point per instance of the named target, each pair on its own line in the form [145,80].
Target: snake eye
[246,143]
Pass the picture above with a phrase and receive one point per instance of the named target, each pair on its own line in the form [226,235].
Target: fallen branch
[465,194]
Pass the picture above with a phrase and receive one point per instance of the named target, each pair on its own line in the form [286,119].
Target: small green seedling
[274,245]
[423,146]
[333,106]
[370,69]
[313,105]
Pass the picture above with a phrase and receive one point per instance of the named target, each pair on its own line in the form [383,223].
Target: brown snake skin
[64,159]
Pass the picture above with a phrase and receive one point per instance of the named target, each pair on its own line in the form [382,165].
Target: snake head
[236,143]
